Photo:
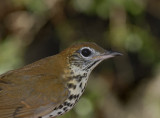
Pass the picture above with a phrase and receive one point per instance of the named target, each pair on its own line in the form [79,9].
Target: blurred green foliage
[125,87]
[10,53]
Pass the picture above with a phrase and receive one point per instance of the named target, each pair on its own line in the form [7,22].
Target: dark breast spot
[82,90]
[68,104]
[80,85]
[61,106]
[71,97]
[59,113]
[65,108]
[55,108]
[78,78]
[85,75]
[65,103]
[71,105]
[75,96]
[70,85]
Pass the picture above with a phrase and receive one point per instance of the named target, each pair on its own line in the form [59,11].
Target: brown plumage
[24,90]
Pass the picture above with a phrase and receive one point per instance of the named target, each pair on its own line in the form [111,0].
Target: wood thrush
[51,86]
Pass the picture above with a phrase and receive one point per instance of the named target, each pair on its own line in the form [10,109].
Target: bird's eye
[86,52]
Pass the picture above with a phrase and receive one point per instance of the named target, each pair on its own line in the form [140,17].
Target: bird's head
[86,56]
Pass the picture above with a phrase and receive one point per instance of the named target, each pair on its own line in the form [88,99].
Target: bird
[50,86]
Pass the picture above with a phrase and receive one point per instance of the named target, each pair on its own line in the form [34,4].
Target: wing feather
[27,99]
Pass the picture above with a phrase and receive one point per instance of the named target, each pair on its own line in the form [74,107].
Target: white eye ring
[86,52]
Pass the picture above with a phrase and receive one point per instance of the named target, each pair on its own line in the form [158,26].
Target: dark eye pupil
[86,52]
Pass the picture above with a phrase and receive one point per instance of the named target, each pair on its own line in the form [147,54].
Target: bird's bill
[107,54]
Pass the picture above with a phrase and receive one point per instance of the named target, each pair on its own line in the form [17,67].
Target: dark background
[123,87]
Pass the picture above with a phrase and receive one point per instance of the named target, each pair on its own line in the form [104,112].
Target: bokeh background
[123,87]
